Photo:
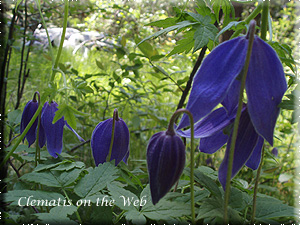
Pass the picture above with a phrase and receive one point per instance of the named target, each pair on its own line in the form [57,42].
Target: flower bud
[101,141]
[165,160]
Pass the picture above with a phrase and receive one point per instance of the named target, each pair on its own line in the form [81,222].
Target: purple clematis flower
[101,140]
[54,132]
[27,115]
[50,133]
[165,160]
[265,83]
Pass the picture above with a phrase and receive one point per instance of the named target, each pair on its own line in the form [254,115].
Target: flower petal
[214,122]
[231,100]
[78,136]
[214,78]
[53,132]
[265,86]
[245,144]
[28,112]
[213,143]
[254,160]
[101,138]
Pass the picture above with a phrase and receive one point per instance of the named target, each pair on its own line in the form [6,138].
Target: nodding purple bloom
[27,115]
[217,81]
[265,83]
[54,132]
[101,140]
[49,133]
[165,160]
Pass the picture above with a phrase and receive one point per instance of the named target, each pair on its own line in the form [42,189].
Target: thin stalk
[115,118]
[237,120]
[37,146]
[264,20]
[76,212]
[22,135]
[66,13]
[256,186]
[171,131]
[255,12]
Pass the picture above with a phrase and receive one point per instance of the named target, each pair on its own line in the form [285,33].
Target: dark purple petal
[231,100]
[53,132]
[215,76]
[214,122]
[245,144]
[265,87]
[213,143]
[126,157]
[78,136]
[275,152]
[165,161]
[27,114]
[254,160]
[101,138]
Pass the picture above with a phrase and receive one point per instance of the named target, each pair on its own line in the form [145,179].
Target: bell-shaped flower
[54,132]
[165,160]
[28,112]
[265,83]
[215,130]
[101,141]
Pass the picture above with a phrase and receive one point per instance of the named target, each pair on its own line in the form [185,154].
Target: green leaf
[287,104]
[14,117]
[124,199]
[237,24]
[163,23]
[268,207]
[20,197]
[185,44]
[96,179]
[206,182]
[180,25]
[202,35]
[146,48]
[58,215]
[100,65]
[52,178]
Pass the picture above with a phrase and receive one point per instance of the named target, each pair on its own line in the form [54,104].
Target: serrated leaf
[16,197]
[267,208]
[67,112]
[236,24]
[163,23]
[204,33]
[178,26]
[184,45]
[14,117]
[96,180]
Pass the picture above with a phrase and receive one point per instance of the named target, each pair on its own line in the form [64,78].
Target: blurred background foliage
[145,90]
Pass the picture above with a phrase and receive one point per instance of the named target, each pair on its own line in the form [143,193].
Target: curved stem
[115,118]
[236,121]
[256,186]
[171,131]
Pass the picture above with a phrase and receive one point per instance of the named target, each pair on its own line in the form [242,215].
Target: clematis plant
[49,133]
[218,81]
[110,140]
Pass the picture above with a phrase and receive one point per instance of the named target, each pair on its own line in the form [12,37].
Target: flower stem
[171,131]
[264,20]
[37,146]
[256,186]
[237,119]
[76,212]
[255,12]
[115,118]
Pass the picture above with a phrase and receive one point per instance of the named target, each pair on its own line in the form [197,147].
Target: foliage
[143,72]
